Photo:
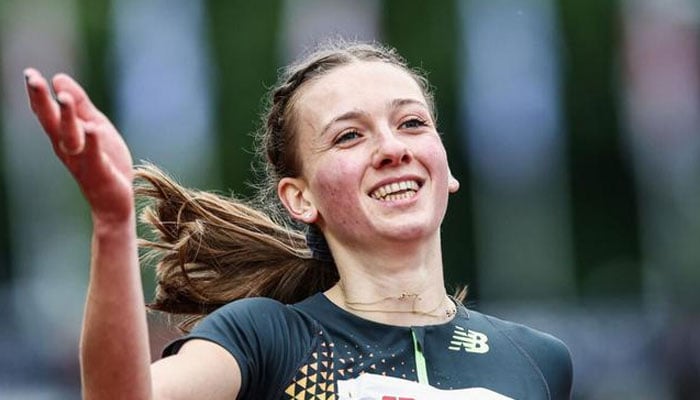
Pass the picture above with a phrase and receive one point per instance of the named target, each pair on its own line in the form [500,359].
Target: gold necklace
[449,311]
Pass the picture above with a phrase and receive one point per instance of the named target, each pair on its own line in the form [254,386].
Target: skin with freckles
[351,145]
[374,179]
[367,141]
[362,126]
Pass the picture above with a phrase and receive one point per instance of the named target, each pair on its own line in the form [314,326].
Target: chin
[409,232]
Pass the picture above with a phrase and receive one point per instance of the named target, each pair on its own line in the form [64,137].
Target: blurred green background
[573,126]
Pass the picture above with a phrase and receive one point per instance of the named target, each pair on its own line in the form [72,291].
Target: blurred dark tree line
[244,40]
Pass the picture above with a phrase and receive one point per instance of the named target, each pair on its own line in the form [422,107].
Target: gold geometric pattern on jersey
[315,380]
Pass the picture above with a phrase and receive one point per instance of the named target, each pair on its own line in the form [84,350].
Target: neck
[393,287]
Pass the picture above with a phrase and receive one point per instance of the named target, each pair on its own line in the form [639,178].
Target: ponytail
[211,250]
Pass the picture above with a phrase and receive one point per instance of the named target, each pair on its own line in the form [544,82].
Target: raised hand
[87,143]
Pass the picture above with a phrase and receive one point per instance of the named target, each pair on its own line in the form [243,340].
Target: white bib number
[378,387]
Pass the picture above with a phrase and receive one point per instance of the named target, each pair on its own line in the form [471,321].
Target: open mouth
[396,190]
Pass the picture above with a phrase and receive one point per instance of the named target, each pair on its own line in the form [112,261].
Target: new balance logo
[469,340]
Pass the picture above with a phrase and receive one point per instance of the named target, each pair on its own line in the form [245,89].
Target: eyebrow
[352,114]
[355,114]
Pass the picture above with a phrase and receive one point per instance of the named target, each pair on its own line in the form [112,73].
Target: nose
[390,150]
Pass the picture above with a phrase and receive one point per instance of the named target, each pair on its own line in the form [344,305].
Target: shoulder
[526,336]
[249,321]
[254,310]
[266,338]
[547,353]
[252,304]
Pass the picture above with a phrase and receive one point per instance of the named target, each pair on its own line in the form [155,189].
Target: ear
[452,183]
[291,192]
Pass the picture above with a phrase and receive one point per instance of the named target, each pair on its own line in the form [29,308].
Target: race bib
[378,387]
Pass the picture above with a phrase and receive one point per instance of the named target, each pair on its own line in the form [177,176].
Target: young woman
[355,309]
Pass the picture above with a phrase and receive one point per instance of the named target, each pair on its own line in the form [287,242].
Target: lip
[398,179]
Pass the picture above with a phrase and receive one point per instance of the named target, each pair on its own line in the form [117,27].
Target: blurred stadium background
[574,127]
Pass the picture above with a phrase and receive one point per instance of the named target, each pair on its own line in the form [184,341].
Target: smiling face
[373,165]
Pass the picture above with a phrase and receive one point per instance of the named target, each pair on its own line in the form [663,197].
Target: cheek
[433,152]
[335,189]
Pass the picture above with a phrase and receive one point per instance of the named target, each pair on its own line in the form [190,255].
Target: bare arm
[200,370]
[114,354]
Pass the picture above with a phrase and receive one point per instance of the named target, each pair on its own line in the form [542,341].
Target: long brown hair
[212,249]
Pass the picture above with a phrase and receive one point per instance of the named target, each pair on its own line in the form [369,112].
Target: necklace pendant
[406,295]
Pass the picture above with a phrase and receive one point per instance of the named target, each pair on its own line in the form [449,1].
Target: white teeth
[396,191]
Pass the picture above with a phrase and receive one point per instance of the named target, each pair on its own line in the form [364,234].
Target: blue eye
[346,137]
[414,123]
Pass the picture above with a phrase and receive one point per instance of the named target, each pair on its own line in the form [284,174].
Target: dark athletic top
[316,350]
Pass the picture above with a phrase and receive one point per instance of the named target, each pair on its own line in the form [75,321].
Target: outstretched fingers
[42,103]
[108,189]
[93,163]
[90,165]
[84,108]
[71,138]
[86,142]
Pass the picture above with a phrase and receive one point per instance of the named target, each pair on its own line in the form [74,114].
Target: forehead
[363,85]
